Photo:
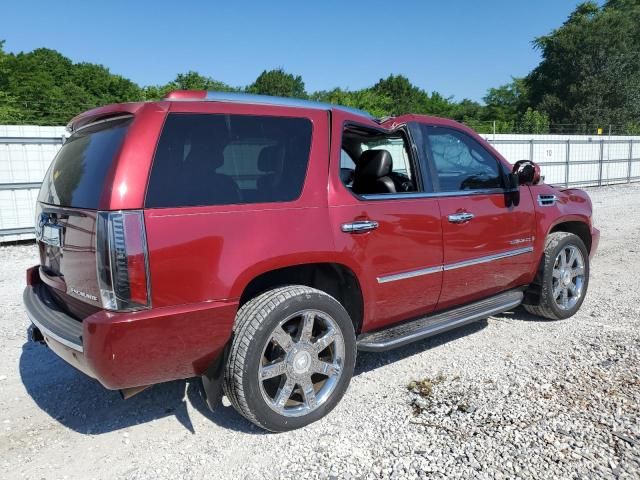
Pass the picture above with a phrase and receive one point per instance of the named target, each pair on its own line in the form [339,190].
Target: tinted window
[205,159]
[461,163]
[77,174]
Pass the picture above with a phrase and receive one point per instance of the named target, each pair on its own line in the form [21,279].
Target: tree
[186,81]
[279,83]
[533,121]
[506,102]
[590,68]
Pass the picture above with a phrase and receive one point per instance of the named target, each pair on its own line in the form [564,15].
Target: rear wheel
[291,358]
[564,277]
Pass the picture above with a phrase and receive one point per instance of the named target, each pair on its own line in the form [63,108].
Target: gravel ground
[512,396]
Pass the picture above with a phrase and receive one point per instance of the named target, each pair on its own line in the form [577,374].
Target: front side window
[374,162]
[460,162]
[218,159]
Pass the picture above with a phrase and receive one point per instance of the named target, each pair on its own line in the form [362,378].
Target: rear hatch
[67,215]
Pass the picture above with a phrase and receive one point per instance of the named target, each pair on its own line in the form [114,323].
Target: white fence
[27,151]
[25,154]
[575,159]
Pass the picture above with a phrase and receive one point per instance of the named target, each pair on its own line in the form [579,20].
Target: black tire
[253,328]
[546,305]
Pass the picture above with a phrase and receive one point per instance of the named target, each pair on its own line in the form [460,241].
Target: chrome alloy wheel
[568,277]
[301,363]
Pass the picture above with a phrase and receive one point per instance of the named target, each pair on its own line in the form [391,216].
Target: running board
[408,332]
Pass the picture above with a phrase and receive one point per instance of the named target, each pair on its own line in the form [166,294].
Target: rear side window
[78,173]
[216,159]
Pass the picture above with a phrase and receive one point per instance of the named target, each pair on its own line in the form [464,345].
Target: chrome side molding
[411,274]
[488,258]
[452,266]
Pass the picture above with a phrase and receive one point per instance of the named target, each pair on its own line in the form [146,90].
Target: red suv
[259,242]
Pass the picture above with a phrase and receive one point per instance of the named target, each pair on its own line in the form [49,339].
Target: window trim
[413,158]
[432,166]
[305,178]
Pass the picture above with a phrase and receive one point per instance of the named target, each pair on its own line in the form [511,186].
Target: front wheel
[291,358]
[563,277]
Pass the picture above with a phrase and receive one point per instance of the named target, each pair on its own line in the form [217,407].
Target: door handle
[461,217]
[359,226]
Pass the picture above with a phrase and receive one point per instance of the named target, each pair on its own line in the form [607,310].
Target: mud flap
[213,378]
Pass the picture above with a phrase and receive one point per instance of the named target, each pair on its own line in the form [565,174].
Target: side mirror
[528,172]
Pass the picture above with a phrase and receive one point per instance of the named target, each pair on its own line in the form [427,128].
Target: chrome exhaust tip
[127,393]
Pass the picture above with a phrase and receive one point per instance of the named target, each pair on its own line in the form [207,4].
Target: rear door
[488,241]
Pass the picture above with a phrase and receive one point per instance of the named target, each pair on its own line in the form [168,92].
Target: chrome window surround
[454,266]
[414,195]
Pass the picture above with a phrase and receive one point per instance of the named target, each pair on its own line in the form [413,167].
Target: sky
[459,48]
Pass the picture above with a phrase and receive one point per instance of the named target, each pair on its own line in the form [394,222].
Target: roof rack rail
[237,97]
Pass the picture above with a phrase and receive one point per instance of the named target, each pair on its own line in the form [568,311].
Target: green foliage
[507,102]
[44,87]
[279,83]
[533,121]
[186,81]
[590,71]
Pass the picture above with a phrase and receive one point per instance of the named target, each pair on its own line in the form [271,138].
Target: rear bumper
[123,350]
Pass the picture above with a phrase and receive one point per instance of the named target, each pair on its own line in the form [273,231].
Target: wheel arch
[335,279]
[578,227]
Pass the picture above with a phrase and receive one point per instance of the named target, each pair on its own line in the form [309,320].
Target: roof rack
[212,96]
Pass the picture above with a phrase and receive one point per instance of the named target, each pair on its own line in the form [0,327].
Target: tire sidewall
[574,240]
[267,417]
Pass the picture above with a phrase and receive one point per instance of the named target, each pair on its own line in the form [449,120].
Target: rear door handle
[359,226]
[461,217]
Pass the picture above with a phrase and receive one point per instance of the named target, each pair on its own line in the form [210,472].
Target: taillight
[123,275]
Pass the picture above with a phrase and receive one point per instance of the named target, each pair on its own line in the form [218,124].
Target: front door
[488,241]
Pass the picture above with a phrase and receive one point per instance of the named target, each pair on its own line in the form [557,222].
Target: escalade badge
[86,295]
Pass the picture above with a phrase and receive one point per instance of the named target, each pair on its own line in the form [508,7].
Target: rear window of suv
[78,173]
[219,159]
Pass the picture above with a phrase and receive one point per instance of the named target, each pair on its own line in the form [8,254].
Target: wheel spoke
[572,257]
[565,297]
[325,368]
[309,392]
[563,258]
[324,341]
[284,394]
[273,370]
[557,290]
[307,326]
[577,272]
[556,273]
[283,338]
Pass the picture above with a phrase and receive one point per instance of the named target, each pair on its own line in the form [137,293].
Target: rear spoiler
[108,112]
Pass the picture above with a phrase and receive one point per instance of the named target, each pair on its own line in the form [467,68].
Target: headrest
[374,164]
[268,159]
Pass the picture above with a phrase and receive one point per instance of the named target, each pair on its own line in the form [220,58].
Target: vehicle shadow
[83,405]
